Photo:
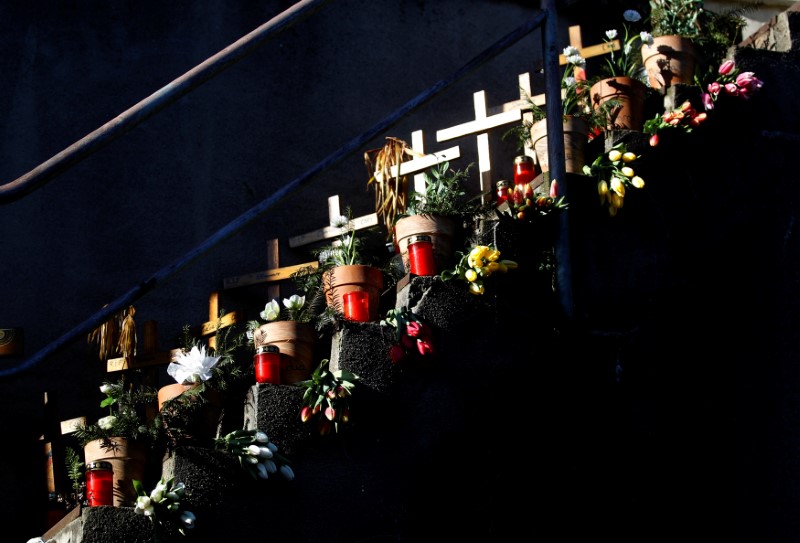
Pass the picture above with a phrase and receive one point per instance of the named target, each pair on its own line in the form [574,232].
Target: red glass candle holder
[524,170]
[99,483]
[267,362]
[356,306]
[503,192]
[420,255]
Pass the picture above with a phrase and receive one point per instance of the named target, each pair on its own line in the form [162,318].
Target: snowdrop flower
[287,472]
[261,437]
[144,506]
[188,519]
[192,367]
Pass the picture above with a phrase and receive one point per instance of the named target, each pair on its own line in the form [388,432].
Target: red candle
[524,170]
[268,364]
[100,483]
[420,255]
[503,191]
[356,306]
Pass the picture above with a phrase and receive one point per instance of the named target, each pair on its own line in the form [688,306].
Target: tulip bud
[286,472]
[330,413]
[554,189]
[627,171]
[727,67]
[654,140]
[629,157]
[637,182]
[614,155]
[305,413]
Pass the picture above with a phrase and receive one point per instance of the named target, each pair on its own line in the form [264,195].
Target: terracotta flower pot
[669,61]
[630,93]
[128,459]
[296,343]
[198,420]
[340,280]
[576,136]
[440,229]
[169,392]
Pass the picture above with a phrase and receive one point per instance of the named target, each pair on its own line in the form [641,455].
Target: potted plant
[190,409]
[579,118]
[440,212]
[345,268]
[124,437]
[689,40]
[623,78]
[291,329]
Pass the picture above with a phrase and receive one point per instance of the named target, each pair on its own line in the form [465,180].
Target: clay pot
[128,459]
[670,60]
[340,280]
[296,343]
[630,93]
[576,136]
[440,229]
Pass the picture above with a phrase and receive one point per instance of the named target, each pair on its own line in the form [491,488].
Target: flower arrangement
[530,208]
[481,262]
[193,367]
[728,82]
[163,504]
[294,309]
[615,174]
[676,17]
[628,63]
[412,336]
[123,401]
[331,389]
[257,454]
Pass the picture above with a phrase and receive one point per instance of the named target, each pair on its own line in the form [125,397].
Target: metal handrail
[289,188]
[154,103]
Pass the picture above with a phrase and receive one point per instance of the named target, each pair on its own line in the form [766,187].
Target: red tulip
[413,329]
[727,67]
[330,413]
[305,414]
[424,347]
[653,140]
[397,353]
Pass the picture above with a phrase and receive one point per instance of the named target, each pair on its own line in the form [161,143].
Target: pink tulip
[654,140]
[732,89]
[708,102]
[714,88]
[413,329]
[330,413]
[305,413]
[727,67]
[554,189]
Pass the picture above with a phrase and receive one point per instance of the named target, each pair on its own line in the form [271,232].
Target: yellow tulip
[629,157]
[614,155]
[476,288]
[492,267]
[470,275]
[627,171]
[637,182]
[617,187]
[492,255]
[602,188]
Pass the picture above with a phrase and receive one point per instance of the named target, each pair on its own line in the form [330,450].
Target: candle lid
[99,464]
[523,158]
[268,349]
[419,237]
[503,183]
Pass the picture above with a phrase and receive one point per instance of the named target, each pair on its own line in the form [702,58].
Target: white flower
[250,459]
[193,367]
[106,423]
[611,34]
[188,518]
[294,302]
[646,37]
[627,49]
[569,81]
[105,388]
[287,472]
[144,506]
[631,15]
[261,437]
[271,311]
[253,450]
[339,222]
[570,50]
[249,335]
